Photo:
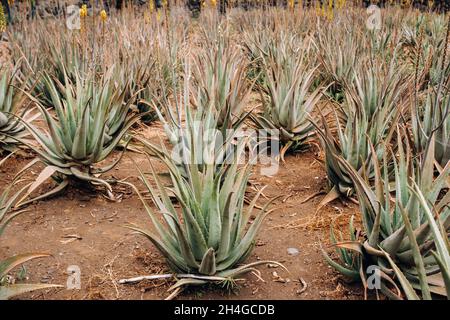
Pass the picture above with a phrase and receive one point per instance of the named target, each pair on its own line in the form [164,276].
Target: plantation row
[376,101]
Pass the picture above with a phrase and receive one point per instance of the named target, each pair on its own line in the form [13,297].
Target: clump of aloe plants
[372,108]
[209,237]
[405,225]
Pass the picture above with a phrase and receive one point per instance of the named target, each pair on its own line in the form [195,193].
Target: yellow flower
[213,3]
[10,2]
[83,11]
[2,20]
[151,5]
[291,3]
[317,9]
[158,15]
[330,14]
[103,15]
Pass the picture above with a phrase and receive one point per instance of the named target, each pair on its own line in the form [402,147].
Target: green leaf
[10,291]
[12,262]
[208,265]
[407,288]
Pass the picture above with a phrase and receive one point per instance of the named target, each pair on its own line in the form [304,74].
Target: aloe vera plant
[208,237]
[202,129]
[134,79]
[291,98]
[426,54]
[64,60]
[8,290]
[256,43]
[372,107]
[90,122]
[433,118]
[12,105]
[339,58]
[221,84]
[404,236]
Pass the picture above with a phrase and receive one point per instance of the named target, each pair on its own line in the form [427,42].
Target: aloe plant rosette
[292,100]
[90,122]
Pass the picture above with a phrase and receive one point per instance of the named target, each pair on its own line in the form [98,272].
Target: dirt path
[106,252]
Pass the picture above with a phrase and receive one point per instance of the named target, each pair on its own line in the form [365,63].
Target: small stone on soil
[293,251]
